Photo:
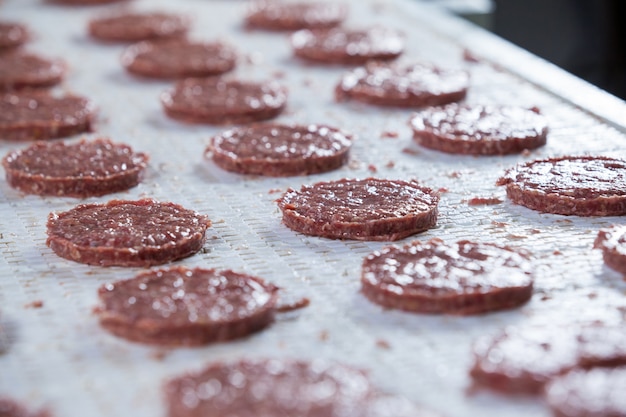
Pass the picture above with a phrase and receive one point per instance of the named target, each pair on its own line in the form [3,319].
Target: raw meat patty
[218,101]
[178,58]
[479,129]
[126,233]
[435,277]
[268,387]
[598,392]
[348,46]
[280,150]
[282,387]
[569,185]
[19,69]
[403,85]
[34,116]
[612,242]
[274,15]
[183,306]
[368,209]
[138,26]
[81,169]
[522,360]
[12,34]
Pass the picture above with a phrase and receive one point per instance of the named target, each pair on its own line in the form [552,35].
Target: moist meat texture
[81,169]
[367,209]
[522,360]
[282,387]
[479,129]
[435,277]
[12,35]
[135,26]
[276,15]
[268,387]
[183,306]
[569,185]
[218,101]
[126,233]
[19,70]
[280,150]
[348,46]
[178,58]
[612,242]
[597,392]
[35,116]
[403,85]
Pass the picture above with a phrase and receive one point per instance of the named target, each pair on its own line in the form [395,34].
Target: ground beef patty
[34,116]
[280,150]
[12,35]
[569,185]
[219,101]
[522,360]
[20,69]
[479,129]
[178,58]
[137,26]
[612,242]
[348,46]
[276,15]
[597,392]
[435,277]
[126,233]
[81,169]
[282,387]
[183,306]
[367,209]
[403,85]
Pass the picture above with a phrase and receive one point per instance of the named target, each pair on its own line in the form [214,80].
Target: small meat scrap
[569,185]
[12,35]
[585,393]
[282,387]
[126,233]
[280,150]
[479,129]
[521,360]
[219,101]
[483,201]
[178,58]
[39,115]
[79,169]
[403,85]
[612,242]
[19,69]
[186,306]
[285,16]
[435,277]
[366,209]
[138,26]
[348,46]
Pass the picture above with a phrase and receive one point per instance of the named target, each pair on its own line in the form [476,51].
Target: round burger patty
[81,169]
[569,185]
[126,233]
[366,209]
[435,277]
[280,150]
[186,306]
[479,129]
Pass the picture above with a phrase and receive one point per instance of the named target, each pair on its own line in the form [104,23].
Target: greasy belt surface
[58,356]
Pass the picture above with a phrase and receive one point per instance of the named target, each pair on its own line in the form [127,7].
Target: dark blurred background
[584,37]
